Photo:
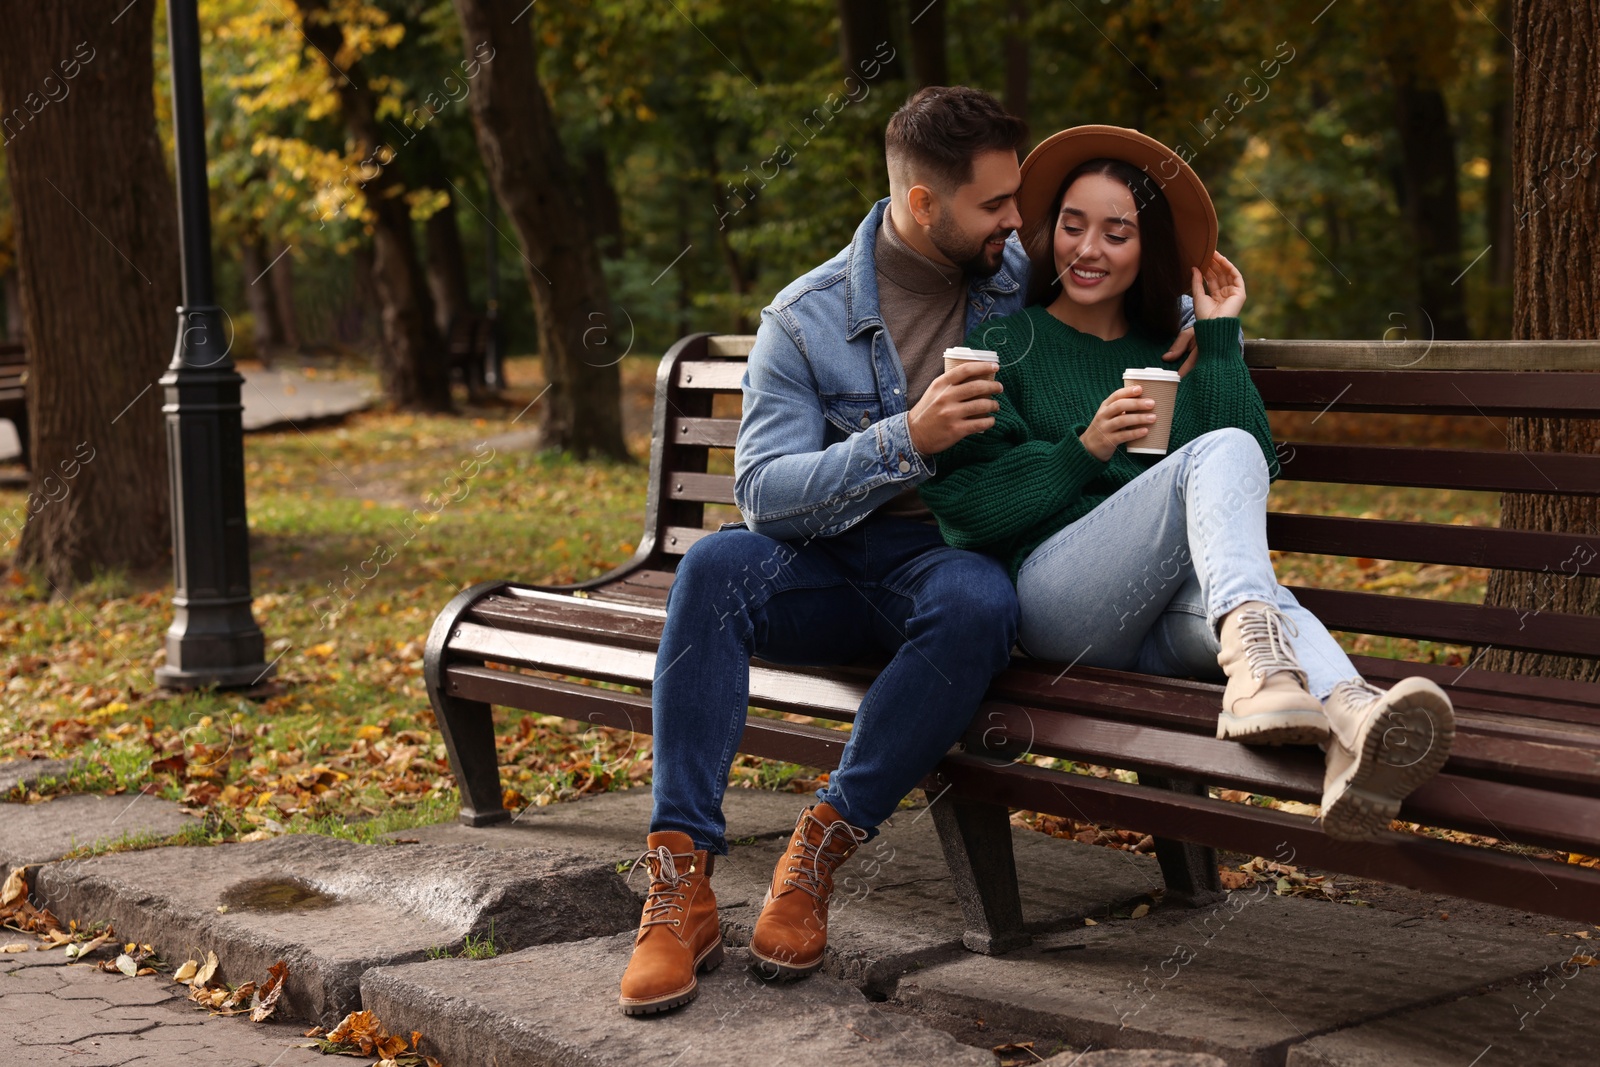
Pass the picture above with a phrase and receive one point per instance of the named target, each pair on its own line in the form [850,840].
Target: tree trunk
[863,26]
[11,293]
[605,208]
[1431,205]
[281,277]
[929,64]
[1556,138]
[1017,59]
[527,164]
[413,364]
[97,247]
[268,331]
[447,258]
[1501,223]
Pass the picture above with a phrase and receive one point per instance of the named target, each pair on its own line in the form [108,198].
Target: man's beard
[971,256]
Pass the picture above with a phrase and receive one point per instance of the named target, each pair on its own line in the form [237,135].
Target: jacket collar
[861,274]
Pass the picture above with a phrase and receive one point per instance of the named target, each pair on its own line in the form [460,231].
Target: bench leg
[468,729]
[1189,870]
[976,838]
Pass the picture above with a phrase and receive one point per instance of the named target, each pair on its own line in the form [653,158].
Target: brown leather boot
[679,933]
[793,928]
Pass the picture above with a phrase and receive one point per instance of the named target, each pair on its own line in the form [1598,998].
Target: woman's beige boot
[1266,701]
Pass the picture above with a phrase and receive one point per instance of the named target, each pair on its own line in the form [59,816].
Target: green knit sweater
[1009,488]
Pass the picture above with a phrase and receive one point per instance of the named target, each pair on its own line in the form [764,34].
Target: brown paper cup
[1162,387]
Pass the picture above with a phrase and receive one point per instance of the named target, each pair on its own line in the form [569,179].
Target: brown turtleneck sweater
[924,308]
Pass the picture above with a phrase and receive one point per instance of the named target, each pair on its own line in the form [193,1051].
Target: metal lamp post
[214,639]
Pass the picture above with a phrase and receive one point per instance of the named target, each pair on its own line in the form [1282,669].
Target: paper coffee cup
[1162,387]
[954,357]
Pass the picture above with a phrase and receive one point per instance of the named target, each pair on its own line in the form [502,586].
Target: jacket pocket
[852,412]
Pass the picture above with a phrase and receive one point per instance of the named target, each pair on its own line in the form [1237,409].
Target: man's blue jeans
[947,618]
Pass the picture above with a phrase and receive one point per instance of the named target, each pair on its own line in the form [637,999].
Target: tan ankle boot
[1384,745]
[679,933]
[1266,701]
[793,928]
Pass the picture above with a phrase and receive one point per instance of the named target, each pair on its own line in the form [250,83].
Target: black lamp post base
[221,677]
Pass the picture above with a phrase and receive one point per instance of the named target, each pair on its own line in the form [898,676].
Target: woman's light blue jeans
[1142,582]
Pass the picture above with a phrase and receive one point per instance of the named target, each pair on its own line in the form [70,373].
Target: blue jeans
[947,617]
[1142,582]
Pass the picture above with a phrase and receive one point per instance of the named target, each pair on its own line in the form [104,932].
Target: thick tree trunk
[929,59]
[413,365]
[97,242]
[281,278]
[1431,205]
[863,26]
[267,331]
[1018,62]
[527,165]
[1501,222]
[447,258]
[1557,293]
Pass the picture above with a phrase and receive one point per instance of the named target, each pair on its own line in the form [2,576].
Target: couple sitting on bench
[943,516]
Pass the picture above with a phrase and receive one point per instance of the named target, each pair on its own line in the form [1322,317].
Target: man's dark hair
[1151,302]
[940,129]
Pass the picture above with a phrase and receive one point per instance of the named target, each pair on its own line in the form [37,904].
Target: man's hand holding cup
[959,402]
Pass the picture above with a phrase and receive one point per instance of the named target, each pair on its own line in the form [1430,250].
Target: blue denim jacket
[825,436]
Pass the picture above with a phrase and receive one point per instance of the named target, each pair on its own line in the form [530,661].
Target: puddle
[275,894]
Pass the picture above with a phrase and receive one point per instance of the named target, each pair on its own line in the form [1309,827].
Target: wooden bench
[1525,767]
[14,392]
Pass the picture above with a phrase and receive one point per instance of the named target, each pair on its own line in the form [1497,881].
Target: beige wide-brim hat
[1048,165]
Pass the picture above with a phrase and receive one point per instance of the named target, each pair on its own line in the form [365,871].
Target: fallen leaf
[266,998]
[16,887]
[1140,912]
[185,972]
[126,965]
[203,975]
[16,946]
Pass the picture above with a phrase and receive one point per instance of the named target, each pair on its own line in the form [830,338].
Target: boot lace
[1358,692]
[665,895]
[1265,646]
[815,860]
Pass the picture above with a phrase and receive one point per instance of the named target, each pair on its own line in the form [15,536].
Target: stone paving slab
[53,1013]
[1549,1017]
[1245,981]
[364,905]
[895,902]
[27,772]
[38,833]
[556,1006]
[1143,1057]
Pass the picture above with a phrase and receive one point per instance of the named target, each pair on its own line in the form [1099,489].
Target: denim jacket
[825,436]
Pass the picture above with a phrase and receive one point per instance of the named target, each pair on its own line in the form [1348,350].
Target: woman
[1159,563]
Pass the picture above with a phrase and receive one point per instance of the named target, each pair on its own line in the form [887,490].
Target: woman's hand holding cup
[1219,292]
[1123,416]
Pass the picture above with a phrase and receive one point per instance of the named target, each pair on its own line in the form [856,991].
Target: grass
[360,533]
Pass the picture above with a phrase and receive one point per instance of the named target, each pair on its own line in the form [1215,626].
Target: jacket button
[905,466]
[866,420]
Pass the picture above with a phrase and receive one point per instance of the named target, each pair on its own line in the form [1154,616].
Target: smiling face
[969,226]
[1096,241]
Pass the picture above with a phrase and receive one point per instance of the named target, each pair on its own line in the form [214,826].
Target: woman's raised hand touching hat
[1218,291]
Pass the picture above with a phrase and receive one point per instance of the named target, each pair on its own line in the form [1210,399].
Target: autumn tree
[532,178]
[413,365]
[1556,296]
[97,244]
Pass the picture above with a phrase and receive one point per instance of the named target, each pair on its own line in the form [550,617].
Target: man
[844,398]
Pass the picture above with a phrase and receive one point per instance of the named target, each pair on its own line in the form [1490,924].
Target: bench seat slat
[1422,863]
[1500,393]
[1465,624]
[1476,469]
[1424,542]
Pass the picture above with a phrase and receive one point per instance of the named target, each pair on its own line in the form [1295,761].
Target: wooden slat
[1425,864]
[1426,355]
[1425,542]
[1442,468]
[1545,394]
[730,344]
[723,376]
[811,746]
[1468,624]
[675,540]
[1555,698]
[716,433]
[706,488]
[835,694]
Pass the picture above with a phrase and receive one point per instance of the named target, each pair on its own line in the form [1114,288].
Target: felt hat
[1048,165]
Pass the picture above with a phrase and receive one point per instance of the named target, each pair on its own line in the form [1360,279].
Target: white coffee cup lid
[972,353]
[1152,374]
